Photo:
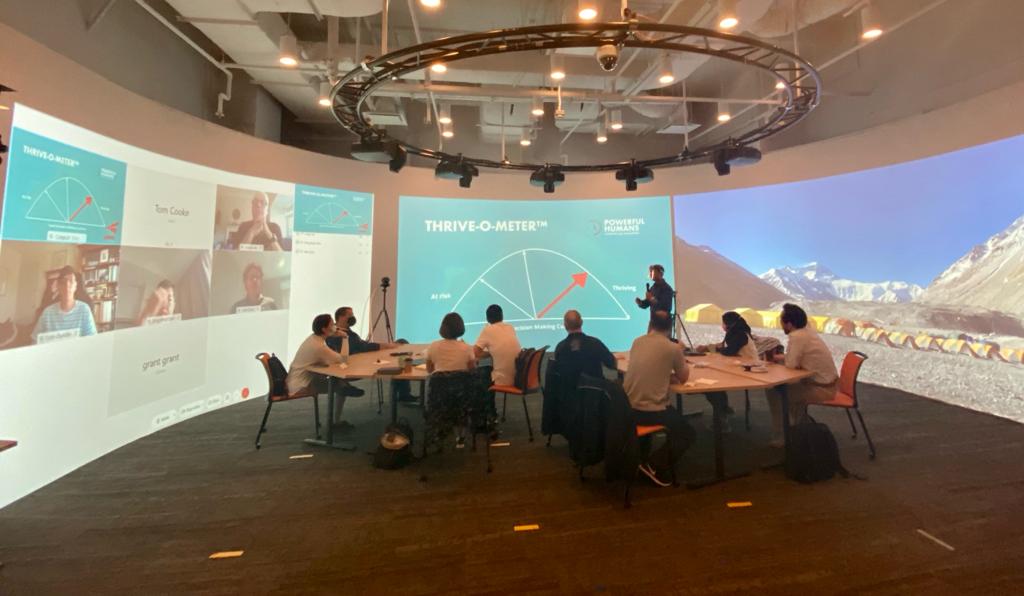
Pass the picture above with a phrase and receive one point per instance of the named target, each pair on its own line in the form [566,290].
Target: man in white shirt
[313,351]
[805,350]
[655,362]
[499,340]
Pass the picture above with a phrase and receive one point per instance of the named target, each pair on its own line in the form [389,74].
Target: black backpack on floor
[812,454]
[394,449]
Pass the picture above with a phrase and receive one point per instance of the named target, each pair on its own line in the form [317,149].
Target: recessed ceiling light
[288,50]
[870,22]
[444,115]
[439,67]
[430,3]
[557,67]
[587,10]
[723,112]
[665,74]
[727,17]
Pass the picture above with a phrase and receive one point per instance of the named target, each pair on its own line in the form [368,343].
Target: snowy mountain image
[990,275]
[814,281]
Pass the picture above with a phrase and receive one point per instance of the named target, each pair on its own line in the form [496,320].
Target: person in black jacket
[579,352]
[738,342]
[345,334]
[659,294]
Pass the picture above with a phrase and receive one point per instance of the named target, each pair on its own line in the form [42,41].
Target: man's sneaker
[652,475]
[351,391]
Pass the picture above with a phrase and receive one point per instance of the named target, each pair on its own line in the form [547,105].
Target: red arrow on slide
[337,219]
[113,228]
[87,201]
[578,279]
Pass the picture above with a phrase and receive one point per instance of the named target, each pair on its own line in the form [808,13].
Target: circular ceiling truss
[800,95]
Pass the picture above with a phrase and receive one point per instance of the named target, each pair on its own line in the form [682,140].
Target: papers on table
[700,383]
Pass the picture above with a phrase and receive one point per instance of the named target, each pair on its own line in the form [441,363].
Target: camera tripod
[385,282]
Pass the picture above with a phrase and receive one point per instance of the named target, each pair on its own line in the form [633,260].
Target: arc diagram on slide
[531,282]
[335,215]
[68,200]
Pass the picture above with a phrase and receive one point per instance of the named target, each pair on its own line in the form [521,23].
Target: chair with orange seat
[846,394]
[277,391]
[641,432]
[527,381]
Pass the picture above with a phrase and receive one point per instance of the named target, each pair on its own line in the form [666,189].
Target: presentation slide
[535,259]
[136,289]
[919,265]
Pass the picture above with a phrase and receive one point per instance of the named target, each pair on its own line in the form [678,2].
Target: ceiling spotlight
[870,22]
[665,74]
[557,67]
[587,10]
[615,120]
[537,107]
[324,97]
[602,133]
[723,112]
[447,132]
[439,67]
[634,174]
[288,50]
[723,159]
[444,114]
[456,168]
[727,17]
[524,139]
[549,177]
[430,3]
[780,85]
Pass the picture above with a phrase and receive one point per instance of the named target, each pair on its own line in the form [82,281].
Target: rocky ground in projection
[982,385]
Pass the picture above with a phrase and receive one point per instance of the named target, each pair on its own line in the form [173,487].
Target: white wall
[56,85]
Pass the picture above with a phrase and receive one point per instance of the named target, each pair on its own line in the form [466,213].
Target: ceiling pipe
[384,27]
[419,40]
[834,60]
[221,97]
[316,10]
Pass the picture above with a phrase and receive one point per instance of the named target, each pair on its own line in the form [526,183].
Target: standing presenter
[659,294]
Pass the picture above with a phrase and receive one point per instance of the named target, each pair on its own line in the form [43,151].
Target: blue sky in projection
[905,222]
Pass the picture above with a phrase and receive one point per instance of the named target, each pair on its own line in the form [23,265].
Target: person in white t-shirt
[450,353]
[499,340]
[805,350]
[313,351]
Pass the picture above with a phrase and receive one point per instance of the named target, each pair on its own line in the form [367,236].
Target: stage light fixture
[726,157]
[537,107]
[615,120]
[399,157]
[549,177]
[727,17]
[634,174]
[444,114]
[456,169]
[288,50]
[324,98]
[870,22]
[557,67]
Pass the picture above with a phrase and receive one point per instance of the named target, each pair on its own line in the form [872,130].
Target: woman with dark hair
[738,338]
[738,342]
[450,353]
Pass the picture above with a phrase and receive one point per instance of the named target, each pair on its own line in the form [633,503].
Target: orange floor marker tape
[227,554]
[526,527]
[738,504]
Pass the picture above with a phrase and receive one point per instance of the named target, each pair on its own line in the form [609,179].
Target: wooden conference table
[715,372]
[368,365]
[708,373]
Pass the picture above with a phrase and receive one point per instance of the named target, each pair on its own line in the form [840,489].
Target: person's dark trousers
[719,400]
[680,436]
[402,390]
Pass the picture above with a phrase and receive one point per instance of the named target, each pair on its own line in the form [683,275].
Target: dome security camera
[608,56]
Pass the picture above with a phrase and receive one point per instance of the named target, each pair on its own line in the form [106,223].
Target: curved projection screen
[919,265]
[534,259]
[175,275]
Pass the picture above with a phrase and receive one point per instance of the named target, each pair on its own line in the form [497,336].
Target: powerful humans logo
[624,226]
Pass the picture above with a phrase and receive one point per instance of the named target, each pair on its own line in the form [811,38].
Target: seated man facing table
[738,342]
[346,342]
[579,352]
[807,351]
[313,351]
[655,362]
[499,340]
